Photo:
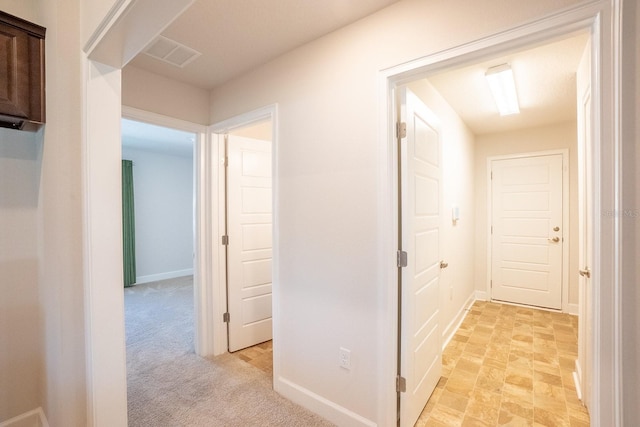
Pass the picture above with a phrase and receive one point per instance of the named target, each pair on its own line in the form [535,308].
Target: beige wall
[60,217]
[42,303]
[25,9]
[20,317]
[526,141]
[157,94]
[457,281]
[331,289]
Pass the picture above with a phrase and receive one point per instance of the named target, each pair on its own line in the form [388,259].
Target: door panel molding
[566,307]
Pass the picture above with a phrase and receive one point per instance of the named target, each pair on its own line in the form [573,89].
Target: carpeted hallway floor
[168,385]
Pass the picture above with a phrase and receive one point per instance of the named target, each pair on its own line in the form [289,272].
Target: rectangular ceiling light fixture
[503,89]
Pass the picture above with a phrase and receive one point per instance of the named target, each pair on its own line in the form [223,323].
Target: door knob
[555,239]
[585,273]
[444,264]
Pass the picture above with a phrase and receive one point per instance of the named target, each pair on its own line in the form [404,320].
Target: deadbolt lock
[556,228]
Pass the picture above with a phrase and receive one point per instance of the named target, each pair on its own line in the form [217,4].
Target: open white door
[249,250]
[585,224]
[420,330]
[527,230]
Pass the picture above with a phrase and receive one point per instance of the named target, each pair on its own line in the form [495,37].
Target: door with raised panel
[420,201]
[527,230]
[249,250]
[585,226]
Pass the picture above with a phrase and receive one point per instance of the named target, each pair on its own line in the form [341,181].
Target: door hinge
[401,259]
[226,317]
[225,240]
[401,130]
[491,174]
[491,284]
[225,162]
[492,229]
[401,384]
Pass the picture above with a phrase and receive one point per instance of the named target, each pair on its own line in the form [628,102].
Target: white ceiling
[545,81]
[236,36]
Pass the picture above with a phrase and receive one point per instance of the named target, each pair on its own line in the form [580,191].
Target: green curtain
[128,225]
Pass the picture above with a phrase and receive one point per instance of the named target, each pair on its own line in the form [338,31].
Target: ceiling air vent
[171,52]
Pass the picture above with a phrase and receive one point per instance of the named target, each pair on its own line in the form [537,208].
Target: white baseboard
[453,326]
[482,296]
[577,379]
[34,418]
[163,276]
[573,309]
[325,408]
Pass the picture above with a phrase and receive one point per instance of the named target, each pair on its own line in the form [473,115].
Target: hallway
[508,366]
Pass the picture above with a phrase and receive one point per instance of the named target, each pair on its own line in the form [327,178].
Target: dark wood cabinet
[22,78]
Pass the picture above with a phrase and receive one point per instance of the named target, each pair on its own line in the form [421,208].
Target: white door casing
[420,200]
[527,230]
[249,251]
[585,226]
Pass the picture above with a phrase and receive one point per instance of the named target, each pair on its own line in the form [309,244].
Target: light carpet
[169,385]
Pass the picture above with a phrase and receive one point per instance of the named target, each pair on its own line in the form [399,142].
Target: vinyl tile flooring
[505,366]
[260,356]
[508,366]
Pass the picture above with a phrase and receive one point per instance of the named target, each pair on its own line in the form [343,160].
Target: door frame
[602,19]
[201,244]
[565,218]
[218,305]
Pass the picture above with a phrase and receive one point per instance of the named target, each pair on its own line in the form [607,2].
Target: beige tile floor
[260,356]
[505,366]
[508,366]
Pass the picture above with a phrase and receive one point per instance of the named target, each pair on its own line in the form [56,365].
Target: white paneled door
[527,230]
[249,251]
[585,226]
[420,201]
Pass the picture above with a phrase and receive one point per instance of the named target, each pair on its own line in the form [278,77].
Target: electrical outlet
[345,358]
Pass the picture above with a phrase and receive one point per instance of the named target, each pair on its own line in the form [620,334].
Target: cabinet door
[14,72]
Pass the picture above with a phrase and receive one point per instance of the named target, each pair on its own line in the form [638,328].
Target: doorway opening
[249,243]
[247,225]
[470,138]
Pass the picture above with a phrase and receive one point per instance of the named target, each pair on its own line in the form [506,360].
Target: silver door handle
[555,239]
[585,273]
[444,264]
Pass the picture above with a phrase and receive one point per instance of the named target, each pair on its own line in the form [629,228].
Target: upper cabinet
[22,85]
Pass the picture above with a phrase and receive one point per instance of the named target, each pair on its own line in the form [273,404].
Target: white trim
[577,379]
[457,320]
[161,120]
[117,10]
[164,276]
[129,27]
[329,410]
[39,421]
[595,16]
[565,217]
[573,309]
[219,305]
[482,296]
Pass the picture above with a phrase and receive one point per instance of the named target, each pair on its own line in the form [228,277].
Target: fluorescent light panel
[503,89]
